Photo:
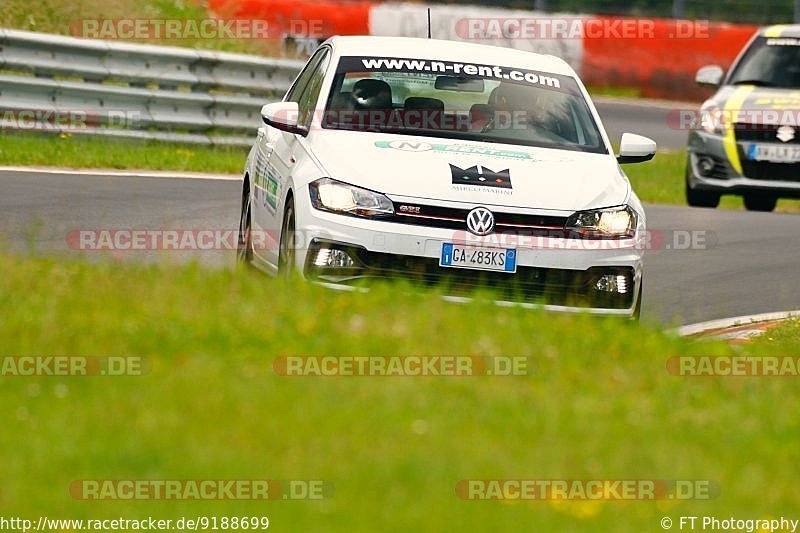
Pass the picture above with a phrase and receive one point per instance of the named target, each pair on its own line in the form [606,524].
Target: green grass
[661,181]
[598,405]
[86,152]
[617,92]
[57,16]
[780,340]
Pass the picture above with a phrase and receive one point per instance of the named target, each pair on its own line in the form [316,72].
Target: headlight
[711,119]
[612,223]
[337,197]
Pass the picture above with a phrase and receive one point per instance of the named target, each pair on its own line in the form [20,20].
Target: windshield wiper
[757,83]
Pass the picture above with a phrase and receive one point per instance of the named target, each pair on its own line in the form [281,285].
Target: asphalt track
[656,119]
[705,264]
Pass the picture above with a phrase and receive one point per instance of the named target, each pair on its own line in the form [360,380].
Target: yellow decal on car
[774,31]
[729,116]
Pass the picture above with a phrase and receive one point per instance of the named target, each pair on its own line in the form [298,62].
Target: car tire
[758,202]
[244,246]
[637,311]
[698,197]
[286,253]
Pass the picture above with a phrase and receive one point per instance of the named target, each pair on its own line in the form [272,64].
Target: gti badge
[785,133]
[480,175]
[480,221]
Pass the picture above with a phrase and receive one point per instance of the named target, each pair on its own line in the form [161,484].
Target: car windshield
[770,62]
[485,103]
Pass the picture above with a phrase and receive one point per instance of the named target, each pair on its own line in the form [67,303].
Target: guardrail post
[678,9]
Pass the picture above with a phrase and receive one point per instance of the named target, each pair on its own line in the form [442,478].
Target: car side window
[310,95]
[296,91]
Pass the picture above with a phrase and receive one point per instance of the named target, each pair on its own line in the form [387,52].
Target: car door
[272,168]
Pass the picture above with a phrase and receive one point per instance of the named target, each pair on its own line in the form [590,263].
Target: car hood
[471,172]
[751,98]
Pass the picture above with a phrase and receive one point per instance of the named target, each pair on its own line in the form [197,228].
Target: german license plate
[478,257]
[775,153]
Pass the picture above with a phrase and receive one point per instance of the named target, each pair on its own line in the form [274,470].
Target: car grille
[455,218]
[765,170]
[763,133]
[528,284]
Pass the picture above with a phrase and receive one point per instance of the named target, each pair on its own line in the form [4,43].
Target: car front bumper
[553,273]
[726,179]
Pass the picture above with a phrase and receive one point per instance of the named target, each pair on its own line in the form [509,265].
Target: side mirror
[709,76]
[635,149]
[283,116]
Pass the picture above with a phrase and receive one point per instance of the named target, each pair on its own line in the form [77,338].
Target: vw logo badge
[480,221]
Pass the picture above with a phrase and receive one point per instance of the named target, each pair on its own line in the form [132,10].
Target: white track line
[168,174]
[645,102]
[700,327]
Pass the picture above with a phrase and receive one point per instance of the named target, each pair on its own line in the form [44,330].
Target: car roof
[781,30]
[437,49]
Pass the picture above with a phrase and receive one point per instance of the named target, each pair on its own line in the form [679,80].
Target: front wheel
[699,197]
[244,246]
[756,202]
[637,311]
[286,253]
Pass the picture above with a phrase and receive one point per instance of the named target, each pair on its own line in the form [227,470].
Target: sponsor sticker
[467,149]
[435,67]
[480,176]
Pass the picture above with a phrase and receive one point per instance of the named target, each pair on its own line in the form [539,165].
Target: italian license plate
[478,257]
[775,153]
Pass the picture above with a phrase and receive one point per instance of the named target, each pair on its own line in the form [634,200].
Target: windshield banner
[545,80]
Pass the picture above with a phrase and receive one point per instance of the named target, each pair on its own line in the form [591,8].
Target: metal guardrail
[135,90]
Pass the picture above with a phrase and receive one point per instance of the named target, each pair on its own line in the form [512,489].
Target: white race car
[448,164]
